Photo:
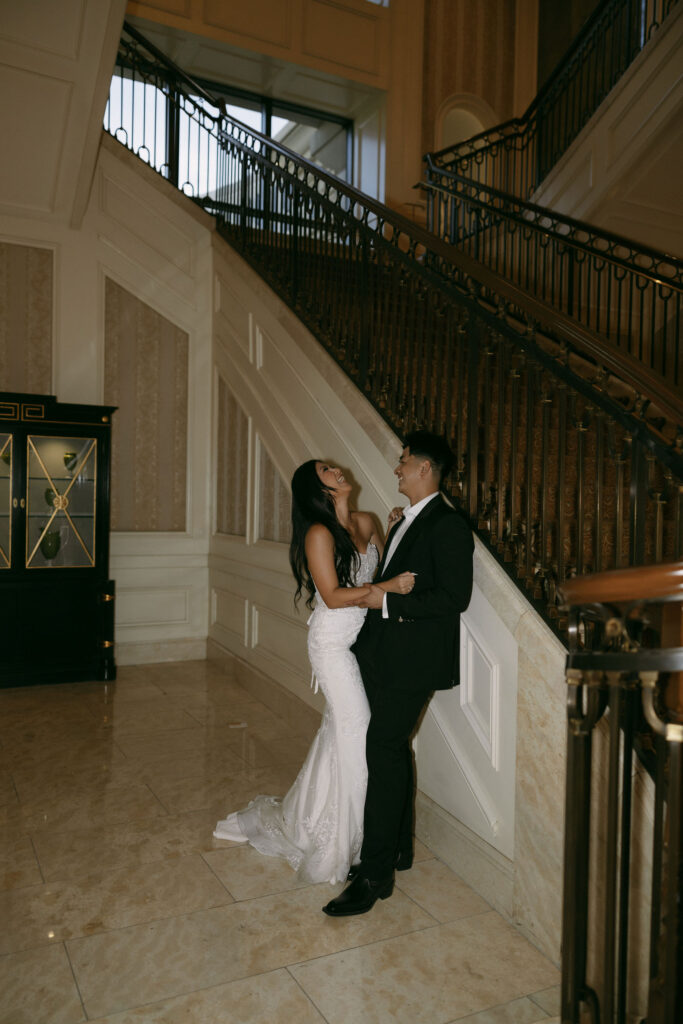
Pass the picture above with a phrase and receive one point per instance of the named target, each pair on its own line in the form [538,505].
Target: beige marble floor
[118,906]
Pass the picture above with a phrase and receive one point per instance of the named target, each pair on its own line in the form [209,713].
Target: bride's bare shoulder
[364,524]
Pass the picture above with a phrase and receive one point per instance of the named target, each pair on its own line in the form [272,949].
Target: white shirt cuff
[385,610]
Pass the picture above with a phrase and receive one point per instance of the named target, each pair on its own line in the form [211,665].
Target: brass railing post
[604,962]
[580,725]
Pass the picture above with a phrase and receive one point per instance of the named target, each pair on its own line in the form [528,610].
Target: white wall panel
[55,67]
[230,611]
[157,606]
[467,743]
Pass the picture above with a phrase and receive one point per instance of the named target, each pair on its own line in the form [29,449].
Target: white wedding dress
[318,826]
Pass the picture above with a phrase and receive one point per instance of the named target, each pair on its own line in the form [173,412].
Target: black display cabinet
[56,598]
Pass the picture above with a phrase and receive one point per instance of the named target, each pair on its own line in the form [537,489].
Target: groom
[408,647]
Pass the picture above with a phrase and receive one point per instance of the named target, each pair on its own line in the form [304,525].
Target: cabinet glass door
[60,502]
[5,499]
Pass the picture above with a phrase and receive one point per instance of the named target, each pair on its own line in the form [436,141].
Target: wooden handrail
[619,586]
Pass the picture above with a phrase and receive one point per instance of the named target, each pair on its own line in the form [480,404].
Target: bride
[318,825]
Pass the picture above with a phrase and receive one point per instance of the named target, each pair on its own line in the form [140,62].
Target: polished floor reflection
[117,904]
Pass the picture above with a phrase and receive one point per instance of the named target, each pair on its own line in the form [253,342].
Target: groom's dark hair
[430,446]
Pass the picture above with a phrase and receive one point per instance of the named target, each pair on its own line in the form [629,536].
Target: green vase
[50,544]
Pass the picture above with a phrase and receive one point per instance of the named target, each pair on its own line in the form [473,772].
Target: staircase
[479,197]
[569,452]
[569,448]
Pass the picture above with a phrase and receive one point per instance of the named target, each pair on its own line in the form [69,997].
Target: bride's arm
[320,558]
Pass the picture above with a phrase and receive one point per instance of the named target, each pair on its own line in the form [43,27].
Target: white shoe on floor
[229,829]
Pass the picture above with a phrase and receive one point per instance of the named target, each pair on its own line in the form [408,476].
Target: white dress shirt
[409,514]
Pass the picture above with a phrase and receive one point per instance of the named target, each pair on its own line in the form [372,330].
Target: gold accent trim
[9,410]
[64,498]
[8,447]
[107,597]
[70,423]
[32,411]
[106,643]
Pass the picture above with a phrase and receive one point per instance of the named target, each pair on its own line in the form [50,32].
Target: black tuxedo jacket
[418,646]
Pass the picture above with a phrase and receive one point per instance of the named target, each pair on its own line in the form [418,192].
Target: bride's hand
[401,584]
[395,514]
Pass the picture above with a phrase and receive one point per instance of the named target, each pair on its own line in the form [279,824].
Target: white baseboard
[147,653]
[484,869]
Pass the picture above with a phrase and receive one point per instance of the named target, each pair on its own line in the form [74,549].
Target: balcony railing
[478,194]
[569,457]
[631,296]
[515,157]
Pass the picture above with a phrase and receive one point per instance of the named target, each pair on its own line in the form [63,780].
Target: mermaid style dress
[318,826]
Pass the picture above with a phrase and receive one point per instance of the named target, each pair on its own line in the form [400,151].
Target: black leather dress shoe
[359,897]
[403,862]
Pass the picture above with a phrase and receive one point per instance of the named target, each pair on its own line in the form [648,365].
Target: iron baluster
[561,476]
[512,526]
[531,381]
[471,489]
[500,470]
[580,427]
[637,503]
[599,484]
[580,726]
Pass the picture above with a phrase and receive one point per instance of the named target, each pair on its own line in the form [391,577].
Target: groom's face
[410,471]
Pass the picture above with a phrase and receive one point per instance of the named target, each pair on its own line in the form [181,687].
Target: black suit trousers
[388,821]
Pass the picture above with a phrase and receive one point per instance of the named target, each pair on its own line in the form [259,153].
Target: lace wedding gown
[318,826]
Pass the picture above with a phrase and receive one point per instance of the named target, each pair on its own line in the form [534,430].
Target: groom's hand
[374,598]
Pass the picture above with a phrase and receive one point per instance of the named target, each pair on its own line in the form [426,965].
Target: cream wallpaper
[469,49]
[26,274]
[145,375]
[232,470]
[274,502]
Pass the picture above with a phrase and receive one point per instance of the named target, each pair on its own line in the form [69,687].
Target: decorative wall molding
[480,691]
[55,64]
[473,728]
[152,606]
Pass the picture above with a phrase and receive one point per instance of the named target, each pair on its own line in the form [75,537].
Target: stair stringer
[489,806]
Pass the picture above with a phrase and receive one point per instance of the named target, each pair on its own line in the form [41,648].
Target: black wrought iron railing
[477,198]
[515,157]
[569,456]
[630,295]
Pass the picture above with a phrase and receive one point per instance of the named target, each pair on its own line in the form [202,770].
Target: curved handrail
[180,75]
[541,218]
[433,253]
[618,586]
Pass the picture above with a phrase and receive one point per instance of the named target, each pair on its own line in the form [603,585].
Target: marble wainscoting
[527,888]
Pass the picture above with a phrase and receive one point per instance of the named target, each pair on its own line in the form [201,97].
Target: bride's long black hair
[312,503]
